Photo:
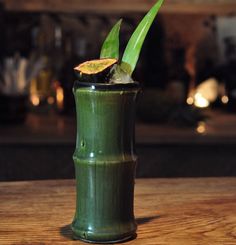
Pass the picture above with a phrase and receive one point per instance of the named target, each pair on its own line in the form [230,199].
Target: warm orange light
[50,100]
[60,97]
[34,99]
[201,128]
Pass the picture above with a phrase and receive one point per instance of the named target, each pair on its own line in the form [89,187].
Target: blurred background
[186,113]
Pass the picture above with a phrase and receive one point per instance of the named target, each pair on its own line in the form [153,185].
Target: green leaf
[110,47]
[133,48]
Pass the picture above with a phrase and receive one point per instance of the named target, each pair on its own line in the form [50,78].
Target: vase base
[124,239]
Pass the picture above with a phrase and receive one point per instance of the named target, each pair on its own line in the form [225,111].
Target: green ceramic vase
[105,162]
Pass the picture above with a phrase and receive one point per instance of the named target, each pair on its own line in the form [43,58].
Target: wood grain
[113,6]
[169,212]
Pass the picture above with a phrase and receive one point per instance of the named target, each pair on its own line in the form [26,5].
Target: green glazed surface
[105,164]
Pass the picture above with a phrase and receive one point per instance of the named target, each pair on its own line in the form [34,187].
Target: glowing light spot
[60,97]
[209,89]
[50,100]
[34,99]
[201,128]
[200,101]
[224,99]
[190,100]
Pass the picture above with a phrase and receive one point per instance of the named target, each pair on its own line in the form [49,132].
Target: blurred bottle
[44,80]
[75,53]
[57,51]
[2,42]
[41,87]
[58,54]
[226,74]
[2,28]
[178,76]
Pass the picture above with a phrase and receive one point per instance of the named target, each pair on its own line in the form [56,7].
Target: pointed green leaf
[133,48]
[110,47]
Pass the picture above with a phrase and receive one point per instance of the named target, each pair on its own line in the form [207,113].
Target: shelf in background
[53,129]
[118,6]
[42,148]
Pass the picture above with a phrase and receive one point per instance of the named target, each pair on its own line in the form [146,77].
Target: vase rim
[106,86]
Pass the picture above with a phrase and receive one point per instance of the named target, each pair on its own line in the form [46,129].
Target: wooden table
[169,212]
